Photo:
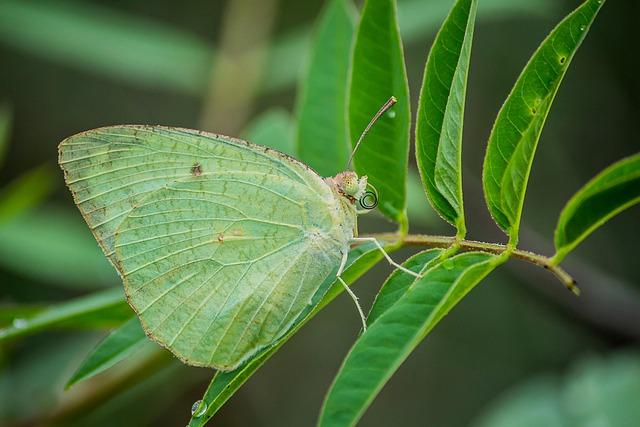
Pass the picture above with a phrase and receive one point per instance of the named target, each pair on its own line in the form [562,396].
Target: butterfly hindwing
[211,235]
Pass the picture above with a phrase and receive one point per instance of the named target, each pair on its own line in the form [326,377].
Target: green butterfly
[221,244]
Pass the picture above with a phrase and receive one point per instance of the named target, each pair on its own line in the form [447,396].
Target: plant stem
[494,248]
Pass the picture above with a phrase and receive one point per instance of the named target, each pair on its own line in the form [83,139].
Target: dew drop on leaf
[19,323]
[198,408]
[582,28]
[391,114]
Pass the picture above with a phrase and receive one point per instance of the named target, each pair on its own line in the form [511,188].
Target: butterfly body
[221,244]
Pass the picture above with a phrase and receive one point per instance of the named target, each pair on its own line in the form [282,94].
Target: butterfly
[220,243]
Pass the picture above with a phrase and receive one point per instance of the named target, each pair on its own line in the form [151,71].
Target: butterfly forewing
[221,244]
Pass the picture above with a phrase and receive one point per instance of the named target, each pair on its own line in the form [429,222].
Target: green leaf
[273,128]
[322,138]
[377,73]
[398,282]
[28,190]
[515,134]
[610,192]
[416,16]
[440,115]
[389,340]
[54,246]
[105,308]
[6,117]
[119,344]
[225,384]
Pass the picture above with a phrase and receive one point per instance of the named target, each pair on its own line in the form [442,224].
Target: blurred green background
[520,350]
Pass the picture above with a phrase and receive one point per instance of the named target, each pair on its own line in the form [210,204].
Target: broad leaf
[441,113]
[273,128]
[398,282]
[225,384]
[115,347]
[107,308]
[515,134]
[610,192]
[322,138]
[389,340]
[377,73]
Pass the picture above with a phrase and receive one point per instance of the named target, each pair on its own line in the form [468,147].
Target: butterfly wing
[221,244]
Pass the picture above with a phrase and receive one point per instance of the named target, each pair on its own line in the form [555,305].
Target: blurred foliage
[69,66]
[148,53]
[598,391]
[52,245]
[273,128]
[5,127]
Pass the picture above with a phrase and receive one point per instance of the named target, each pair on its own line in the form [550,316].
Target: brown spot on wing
[196,169]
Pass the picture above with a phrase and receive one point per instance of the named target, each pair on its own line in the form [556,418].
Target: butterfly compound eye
[350,185]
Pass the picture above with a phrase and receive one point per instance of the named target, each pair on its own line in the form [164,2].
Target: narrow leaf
[515,134]
[398,282]
[108,304]
[225,384]
[273,128]
[377,73]
[441,113]
[389,340]
[322,139]
[610,192]
[115,347]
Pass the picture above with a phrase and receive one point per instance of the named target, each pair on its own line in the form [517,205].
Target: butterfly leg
[386,255]
[353,296]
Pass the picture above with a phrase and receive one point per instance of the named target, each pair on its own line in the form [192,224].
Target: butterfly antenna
[375,118]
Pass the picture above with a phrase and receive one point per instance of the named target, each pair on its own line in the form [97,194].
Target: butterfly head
[349,185]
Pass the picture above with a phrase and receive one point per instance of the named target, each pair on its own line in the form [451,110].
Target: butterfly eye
[350,186]
[369,200]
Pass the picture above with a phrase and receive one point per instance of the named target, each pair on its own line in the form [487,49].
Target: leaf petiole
[494,248]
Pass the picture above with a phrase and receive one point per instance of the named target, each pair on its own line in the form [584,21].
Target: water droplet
[198,408]
[582,28]
[19,323]
[599,1]
[391,114]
